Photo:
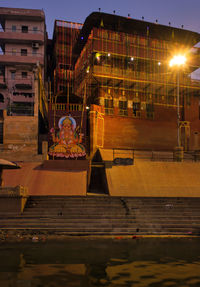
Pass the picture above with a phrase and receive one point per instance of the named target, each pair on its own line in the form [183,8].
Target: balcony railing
[123,112]
[137,114]
[109,111]
[129,74]
[8,35]
[67,107]
[23,83]
[20,54]
[17,30]
[18,57]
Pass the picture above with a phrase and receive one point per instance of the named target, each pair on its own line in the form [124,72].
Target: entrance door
[185,134]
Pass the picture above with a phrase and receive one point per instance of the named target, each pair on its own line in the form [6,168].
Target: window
[23,52]
[13,75]
[14,51]
[123,111]
[24,29]
[149,111]
[1,98]
[136,110]
[24,75]
[34,52]
[108,105]
[14,28]
[35,30]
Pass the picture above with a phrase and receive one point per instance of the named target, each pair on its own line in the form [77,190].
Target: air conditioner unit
[35,45]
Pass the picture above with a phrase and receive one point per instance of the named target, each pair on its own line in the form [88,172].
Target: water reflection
[113,263]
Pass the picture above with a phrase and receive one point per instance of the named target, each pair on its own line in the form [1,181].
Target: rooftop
[133,26]
[17,13]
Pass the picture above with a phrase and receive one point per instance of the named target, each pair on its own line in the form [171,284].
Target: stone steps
[100,225]
[101,215]
[109,231]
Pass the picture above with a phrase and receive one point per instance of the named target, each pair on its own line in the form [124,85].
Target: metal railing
[137,114]
[20,54]
[109,111]
[123,112]
[17,30]
[67,107]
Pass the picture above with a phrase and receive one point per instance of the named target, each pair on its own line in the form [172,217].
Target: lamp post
[178,61]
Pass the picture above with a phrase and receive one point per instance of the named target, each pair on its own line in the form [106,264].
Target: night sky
[178,12]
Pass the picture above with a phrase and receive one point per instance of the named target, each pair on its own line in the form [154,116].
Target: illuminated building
[123,64]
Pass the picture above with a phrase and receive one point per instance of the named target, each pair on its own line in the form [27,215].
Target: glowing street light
[178,61]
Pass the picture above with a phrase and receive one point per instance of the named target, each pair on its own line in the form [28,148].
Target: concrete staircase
[105,215]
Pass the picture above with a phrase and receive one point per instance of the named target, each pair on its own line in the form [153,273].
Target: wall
[21,133]
[128,132]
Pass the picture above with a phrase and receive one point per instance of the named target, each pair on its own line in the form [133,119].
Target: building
[22,67]
[123,64]
[64,38]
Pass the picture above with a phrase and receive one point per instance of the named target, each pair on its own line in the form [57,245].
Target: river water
[107,262]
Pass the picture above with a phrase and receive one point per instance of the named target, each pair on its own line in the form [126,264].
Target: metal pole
[178,109]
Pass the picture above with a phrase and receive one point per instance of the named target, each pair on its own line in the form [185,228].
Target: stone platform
[50,178]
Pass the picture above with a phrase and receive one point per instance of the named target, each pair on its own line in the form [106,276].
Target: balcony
[123,112]
[134,76]
[23,97]
[66,107]
[15,58]
[109,111]
[137,114]
[8,36]
[25,84]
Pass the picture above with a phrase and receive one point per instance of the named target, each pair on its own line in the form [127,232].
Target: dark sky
[178,12]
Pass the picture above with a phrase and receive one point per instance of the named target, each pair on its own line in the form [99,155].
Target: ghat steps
[105,215]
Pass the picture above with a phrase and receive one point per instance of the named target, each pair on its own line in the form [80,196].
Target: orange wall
[128,132]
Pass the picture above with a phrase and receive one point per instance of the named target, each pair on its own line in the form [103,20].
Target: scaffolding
[65,36]
[131,71]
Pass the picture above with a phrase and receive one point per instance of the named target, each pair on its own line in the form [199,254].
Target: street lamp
[178,61]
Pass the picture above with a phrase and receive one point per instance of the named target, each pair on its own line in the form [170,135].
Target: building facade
[22,57]
[124,66]
[64,38]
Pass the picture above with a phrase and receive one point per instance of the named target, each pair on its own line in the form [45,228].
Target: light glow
[178,60]
[98,57]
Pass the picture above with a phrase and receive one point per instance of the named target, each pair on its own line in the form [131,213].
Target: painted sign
[67,139]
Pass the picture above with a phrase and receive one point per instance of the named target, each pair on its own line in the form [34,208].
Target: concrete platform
[153,178]
[48,179]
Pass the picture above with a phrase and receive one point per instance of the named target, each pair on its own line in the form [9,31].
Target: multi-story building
[22,55]
[133,93]
[64,38]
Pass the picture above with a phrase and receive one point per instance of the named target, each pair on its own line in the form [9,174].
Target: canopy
[5,164]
